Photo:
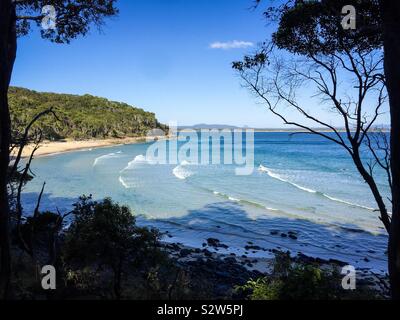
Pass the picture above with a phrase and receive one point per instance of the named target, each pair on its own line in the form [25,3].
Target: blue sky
[166,56]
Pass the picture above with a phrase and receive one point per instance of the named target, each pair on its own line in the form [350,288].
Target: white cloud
[235,44]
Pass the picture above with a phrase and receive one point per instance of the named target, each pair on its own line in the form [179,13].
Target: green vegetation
[105,234]
[103,254]
[80,117]
[299,280]
[100,252]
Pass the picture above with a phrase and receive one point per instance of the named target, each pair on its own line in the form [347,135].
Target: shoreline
[48,148]
[229,268]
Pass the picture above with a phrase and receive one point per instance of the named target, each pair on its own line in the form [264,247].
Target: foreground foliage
[99,252]
[291,280]
[105,235]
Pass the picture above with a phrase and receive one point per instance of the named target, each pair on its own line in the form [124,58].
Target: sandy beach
[53,147]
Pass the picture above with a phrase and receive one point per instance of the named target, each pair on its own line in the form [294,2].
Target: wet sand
[55,147]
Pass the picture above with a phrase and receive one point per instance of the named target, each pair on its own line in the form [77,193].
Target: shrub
[104,235]
[293,280]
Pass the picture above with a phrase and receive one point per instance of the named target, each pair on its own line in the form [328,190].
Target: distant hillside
[208,126]
[81,117]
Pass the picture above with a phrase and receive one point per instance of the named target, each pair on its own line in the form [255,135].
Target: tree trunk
[8,47]
[117,279]
[390,11]
[373,187]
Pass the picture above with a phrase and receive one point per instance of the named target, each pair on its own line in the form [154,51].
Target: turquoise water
[301,183]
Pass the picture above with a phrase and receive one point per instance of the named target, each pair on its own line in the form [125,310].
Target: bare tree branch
[25,137]
[277,83]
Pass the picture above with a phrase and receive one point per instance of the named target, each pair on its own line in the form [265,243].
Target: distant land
[283,129]
[208,126]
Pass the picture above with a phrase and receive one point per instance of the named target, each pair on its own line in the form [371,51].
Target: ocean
[304,195]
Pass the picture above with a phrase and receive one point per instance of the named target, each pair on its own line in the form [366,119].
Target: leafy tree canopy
[80,117]
[72,17]
[314,26]
[105,232]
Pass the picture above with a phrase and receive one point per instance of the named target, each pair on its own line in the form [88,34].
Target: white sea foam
[347,202]
[138,159]
[181,172]
[106,156]
[185,163]
[249,202]
[234,199]
[277,176]
[197,222]
[122,181]
[226,196]
[271,209]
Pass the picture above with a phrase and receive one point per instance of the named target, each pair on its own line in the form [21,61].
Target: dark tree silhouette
[345,84]
[390,11]
[313,30]
[105,234]
[72,19]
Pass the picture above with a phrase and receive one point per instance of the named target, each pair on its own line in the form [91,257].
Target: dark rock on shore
[338,262]
[306,259]
[173,246]
[222,275]
[252,247]
[185,252]
[219,274]
[230,260]
[212,242]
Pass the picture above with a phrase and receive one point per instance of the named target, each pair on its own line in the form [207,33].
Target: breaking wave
[280,178]
[244,201]
[181,171]
[122,181]
[138,159]
[106,156]
[347,202]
